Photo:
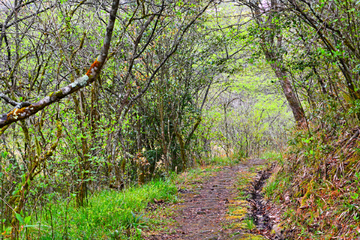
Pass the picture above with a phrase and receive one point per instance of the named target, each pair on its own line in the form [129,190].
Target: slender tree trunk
[290,95]
[182,150]
[270,44]
[163,138]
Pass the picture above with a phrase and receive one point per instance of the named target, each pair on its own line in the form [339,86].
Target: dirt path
[215,209]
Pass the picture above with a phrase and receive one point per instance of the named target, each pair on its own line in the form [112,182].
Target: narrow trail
[214,210]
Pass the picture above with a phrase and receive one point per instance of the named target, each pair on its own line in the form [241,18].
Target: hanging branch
[24,112]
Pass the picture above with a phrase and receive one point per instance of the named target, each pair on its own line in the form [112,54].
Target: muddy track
[258,204]
[203,214]
[260,207]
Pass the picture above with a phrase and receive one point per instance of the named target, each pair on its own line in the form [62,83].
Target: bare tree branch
[12,102]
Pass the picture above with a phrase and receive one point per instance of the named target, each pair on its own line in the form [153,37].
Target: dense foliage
[176,82]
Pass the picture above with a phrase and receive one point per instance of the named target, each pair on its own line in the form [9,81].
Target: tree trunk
[271,44]
[290,95]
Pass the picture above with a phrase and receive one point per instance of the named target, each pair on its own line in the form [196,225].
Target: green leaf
[27,219]
[20,218]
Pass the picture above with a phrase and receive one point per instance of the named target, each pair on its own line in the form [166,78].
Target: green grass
[249,223]
[222,161]
[271,187]
[108,214]
[273,156]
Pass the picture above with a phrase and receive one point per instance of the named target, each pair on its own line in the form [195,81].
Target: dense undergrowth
[108,214]
[318,180]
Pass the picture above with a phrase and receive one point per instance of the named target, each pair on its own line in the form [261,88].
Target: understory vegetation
[102,101]
[317,180]
[108,214]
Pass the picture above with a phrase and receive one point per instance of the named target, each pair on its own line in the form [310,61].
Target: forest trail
[218,207]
